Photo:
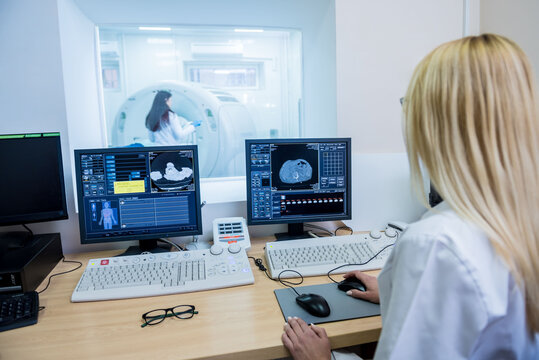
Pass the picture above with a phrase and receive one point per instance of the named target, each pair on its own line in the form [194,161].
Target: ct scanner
[225,124]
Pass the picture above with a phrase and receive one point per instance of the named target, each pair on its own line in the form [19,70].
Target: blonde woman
[462,283]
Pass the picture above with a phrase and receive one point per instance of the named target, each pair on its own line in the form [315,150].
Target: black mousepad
[342,306]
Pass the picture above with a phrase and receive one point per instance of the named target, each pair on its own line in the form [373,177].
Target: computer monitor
[32,183]
[294,181]
[138,193]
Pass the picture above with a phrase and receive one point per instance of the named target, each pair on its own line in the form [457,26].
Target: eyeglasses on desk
[157,316]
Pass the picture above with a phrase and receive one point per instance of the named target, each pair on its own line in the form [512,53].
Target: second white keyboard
[162,274]
[317,256]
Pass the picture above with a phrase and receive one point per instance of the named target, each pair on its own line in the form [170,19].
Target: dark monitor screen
[138,193]
[294,181]
[32,181]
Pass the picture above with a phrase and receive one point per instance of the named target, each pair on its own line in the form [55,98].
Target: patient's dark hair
[159,111]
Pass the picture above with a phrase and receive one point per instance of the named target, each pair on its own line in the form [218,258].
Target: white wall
[77,41]
[517,20]
[32,88]
[81,99]
[378,45]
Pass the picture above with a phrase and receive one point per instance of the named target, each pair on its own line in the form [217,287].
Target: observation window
[230,85]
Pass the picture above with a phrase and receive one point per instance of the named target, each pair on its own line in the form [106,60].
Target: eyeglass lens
[184,311]
[155,316]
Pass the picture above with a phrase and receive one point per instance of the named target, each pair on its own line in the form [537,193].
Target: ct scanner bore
[225,124]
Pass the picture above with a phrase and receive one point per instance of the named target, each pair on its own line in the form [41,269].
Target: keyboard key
[18,310]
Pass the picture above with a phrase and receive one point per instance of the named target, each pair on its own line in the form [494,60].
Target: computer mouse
[314,304]
[351,283]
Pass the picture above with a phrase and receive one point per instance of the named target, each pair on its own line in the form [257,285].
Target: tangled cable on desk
[261,267]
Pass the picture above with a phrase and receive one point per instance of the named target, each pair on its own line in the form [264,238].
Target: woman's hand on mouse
[371,284]
[306,342]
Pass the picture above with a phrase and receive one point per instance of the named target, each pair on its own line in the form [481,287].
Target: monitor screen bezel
[43,216]
[332,217]
[116,238]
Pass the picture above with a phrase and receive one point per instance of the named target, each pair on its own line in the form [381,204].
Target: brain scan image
[295,171]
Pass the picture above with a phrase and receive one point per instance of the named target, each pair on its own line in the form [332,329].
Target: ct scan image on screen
[169,171]
[299,172]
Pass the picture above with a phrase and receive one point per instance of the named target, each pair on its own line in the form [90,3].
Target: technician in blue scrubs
[463,282]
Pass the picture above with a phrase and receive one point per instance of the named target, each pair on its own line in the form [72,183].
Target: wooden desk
[233,323]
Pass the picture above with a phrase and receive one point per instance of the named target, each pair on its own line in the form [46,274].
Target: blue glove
[196,123]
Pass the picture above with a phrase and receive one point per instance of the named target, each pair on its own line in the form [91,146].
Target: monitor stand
[149,245]
[295,232]
[15,239]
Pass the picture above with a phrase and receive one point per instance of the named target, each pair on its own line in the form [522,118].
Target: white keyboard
[317,256]
[162,274]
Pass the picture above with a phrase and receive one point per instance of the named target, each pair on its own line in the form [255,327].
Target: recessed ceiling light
[154,28]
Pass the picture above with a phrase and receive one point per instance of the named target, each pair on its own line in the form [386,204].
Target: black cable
[27,228]
[289,283]
[261,267]
[319,228]
[62,273]
[170,243]
[363,263]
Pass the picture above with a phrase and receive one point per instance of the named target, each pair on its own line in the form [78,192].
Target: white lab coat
[445,294]
[177,131]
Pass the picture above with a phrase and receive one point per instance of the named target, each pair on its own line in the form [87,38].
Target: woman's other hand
[306,342]
[371,284]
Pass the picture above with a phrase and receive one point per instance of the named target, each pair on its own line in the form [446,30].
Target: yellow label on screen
[125,187]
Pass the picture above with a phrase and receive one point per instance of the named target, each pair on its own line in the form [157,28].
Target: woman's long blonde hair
[471,118]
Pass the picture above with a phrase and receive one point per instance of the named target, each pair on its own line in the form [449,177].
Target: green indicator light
[11,136]
[51,134]
[32,135]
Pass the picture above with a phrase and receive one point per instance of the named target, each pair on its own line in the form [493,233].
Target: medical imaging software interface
[133,193]
[290,181]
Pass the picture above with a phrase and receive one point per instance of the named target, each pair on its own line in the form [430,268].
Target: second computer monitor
[293,181]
